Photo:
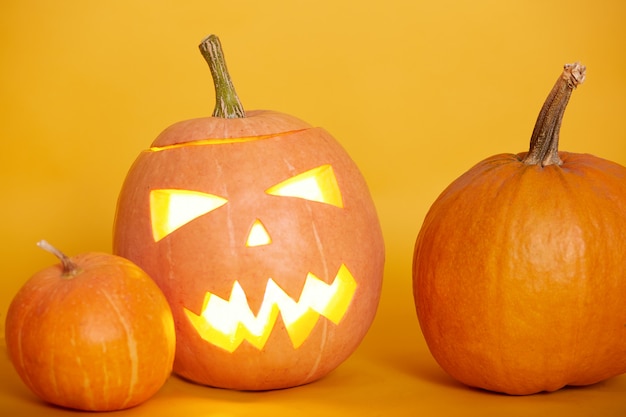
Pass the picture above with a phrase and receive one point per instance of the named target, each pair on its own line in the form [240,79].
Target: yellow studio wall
[416,91]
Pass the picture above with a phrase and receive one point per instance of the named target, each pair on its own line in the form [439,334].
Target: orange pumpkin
[262,234]
[518,271]
[94,333]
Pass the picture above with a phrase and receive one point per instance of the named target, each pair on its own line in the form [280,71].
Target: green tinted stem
[227,104]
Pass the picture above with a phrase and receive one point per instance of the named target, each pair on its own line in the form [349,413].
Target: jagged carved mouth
[227,323]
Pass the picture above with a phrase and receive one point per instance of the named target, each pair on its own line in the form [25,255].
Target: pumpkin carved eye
[171,209]
[317,184]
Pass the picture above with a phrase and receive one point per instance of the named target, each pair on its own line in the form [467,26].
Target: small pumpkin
[93,333]
[518,270]
[262,234]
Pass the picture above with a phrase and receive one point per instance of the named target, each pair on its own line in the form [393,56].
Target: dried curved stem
[70,269]
[544,141]
[227,104]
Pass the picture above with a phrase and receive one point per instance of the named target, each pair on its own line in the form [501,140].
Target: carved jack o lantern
[262,234]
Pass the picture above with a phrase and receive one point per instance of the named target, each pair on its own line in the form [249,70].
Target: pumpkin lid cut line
[224,141]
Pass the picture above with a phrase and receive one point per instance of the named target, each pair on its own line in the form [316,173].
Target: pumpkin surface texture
[262,234]
[94,333]
[519,269]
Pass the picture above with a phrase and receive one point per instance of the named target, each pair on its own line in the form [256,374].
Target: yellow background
[416,91]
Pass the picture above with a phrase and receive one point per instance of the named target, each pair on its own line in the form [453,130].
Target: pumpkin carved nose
[258,235]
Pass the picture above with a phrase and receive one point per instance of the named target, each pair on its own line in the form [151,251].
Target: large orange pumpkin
[519,269]
[93,333]
[261,232]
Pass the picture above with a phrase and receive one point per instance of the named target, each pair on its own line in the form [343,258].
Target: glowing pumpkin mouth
[227,323]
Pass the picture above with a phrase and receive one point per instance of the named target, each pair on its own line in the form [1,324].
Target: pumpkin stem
[70,269]
[227,104]
[544,142]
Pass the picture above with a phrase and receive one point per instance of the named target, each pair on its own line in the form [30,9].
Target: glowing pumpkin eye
[318,184]
[171,209]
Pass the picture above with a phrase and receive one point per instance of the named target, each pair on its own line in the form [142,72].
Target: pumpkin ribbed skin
[102,340]
[519,274]
[248,156]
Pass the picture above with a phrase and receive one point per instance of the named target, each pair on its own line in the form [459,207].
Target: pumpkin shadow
[408,356]
[421,366]
[332,388]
